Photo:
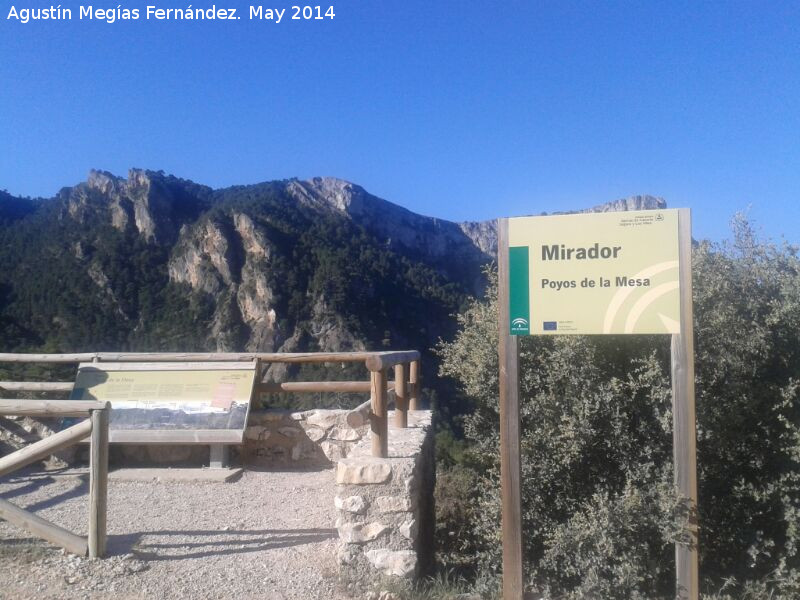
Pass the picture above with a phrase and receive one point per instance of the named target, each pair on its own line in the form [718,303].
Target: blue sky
[460,110]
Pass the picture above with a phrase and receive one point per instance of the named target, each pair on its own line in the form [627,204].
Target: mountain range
[158,263]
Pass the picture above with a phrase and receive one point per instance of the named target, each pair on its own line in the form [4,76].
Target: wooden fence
[96,427]
[405,364]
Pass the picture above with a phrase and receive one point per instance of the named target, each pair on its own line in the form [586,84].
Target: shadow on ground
[162,545]
[80,487]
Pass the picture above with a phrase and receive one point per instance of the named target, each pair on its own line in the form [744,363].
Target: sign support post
[607,273]
[683,414]
[510,464]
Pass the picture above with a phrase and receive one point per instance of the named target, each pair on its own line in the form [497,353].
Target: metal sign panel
[594,273]
[170,397]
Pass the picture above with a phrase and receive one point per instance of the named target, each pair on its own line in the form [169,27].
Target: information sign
[170,397]
[594,273]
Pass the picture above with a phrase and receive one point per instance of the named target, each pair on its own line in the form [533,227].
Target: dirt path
[269,535]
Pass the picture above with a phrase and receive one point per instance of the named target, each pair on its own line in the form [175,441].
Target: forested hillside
[162,264]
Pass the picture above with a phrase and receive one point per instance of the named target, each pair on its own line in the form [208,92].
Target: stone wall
[273,438]
[311,438]
[385,507]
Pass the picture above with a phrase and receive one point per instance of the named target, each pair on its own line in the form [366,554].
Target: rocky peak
[643,202]
[104,182]
[334,193]
[143,200]
[451,246]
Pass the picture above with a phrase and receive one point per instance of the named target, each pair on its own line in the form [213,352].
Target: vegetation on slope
[600,514]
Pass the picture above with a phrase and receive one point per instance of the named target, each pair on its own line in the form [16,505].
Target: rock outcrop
[631,203]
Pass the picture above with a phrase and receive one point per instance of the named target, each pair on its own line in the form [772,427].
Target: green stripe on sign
[518,293]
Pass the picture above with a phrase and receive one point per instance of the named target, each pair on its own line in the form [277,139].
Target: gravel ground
[269,535]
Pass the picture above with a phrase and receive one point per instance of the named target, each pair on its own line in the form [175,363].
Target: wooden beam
[401,398]
[510,460]
[683,414]
[46,447]
[380,361]
[43,529]
[360,415]
[413,381]
[36,386]
[46,358]
[380,420]
[317,386]
[98,482]
[271,357]
[169,366]
[48,408]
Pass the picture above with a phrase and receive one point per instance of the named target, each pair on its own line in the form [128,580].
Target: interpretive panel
[168,397]
[594,273]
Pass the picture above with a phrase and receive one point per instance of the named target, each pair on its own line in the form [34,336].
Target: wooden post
[401,400]
[413,380]
[379,421]
[510,464]
[98,482]
[683,415]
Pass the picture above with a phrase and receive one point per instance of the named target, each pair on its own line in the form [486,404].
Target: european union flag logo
[550,325]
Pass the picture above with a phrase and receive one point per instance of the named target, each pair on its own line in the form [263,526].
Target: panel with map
[170,396]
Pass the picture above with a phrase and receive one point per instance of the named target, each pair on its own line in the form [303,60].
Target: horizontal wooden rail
[380,361]
[43,529]
[317,386]
[36,386]
[46,358]
[48,408]
[272,357]
[46,447]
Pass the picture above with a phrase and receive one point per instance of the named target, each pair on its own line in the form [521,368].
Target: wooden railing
[96,427]
[405,364]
